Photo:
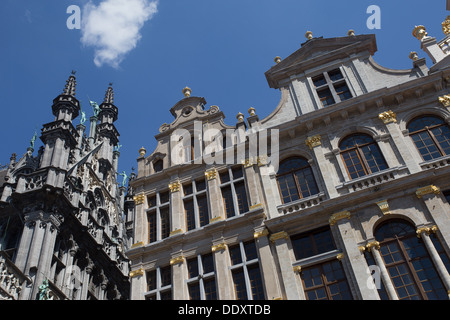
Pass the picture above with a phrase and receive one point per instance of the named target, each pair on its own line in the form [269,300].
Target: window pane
[227,197]
[374,158]
[151,280]
[152,227]
[353,164]
[187,189]
[194,291]
[151,201]
[200,185]
[256,285]
[442,135]
[166,276]
[210,289]
[192,265]
[203,214]
[190,214]
[164,197]
[241,197]
[423,122]
[292,164]
[288,188]
[165,223]
[224,177]
[425,145]
[237,173]
[343,91]
[239,284]
[250,251]
[326,97]
[166,295]
[235,255]
[306,182]
[208,263]
[335,75]
[312,243]
[319,81]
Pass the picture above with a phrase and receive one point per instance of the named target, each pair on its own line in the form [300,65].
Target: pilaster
[217,210]
[222,265]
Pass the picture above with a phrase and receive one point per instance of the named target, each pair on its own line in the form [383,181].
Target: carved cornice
[427,190]
[314,141]
[339,216]
[388,117]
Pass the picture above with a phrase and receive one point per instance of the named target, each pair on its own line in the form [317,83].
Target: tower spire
[109,96]
[71,84]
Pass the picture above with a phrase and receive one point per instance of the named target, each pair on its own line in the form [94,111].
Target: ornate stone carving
[446,26]
[445,100]
[388,117]
[174,187]
[211,174]
[384,206]
[428,230]
[176,260]
[279,235]
[374,245]
[219,247]
[261,233]
[339,216]
[139,199]
[314,141]
[427,190]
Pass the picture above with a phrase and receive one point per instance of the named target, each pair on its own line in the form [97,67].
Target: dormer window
[331,87]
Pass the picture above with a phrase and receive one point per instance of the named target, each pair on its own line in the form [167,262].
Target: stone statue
[44,291]
[95,107]
[33,140]
[125,177]
[83,117]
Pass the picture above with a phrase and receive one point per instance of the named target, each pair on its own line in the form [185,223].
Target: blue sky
[220,49]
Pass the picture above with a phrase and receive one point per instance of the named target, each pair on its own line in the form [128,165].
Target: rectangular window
[159,284]
[202,278]
[326,281]
[158,216]
[246,271]
[234,191]
[331,87]
[312,243]
[196,206]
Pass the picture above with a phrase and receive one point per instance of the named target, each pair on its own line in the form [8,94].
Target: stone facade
[63,234]
[353,180]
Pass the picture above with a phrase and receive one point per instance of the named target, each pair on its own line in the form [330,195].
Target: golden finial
[142,151]
[413,56]
[309,35]
[351,33]
[446,26]
[187,92]
[420,32]
[240,117]
[277,59]
[251,111]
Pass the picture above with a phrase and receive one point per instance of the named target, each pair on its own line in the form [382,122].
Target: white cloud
[113,27]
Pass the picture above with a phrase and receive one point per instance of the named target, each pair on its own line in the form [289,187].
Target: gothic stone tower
[61,224]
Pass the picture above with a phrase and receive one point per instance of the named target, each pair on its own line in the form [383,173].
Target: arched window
[158,165]
[408,263]
[431,136]
[296,180]
[361,155]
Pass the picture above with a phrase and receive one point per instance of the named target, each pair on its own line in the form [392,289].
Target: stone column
[252,183]
[292,285]
[140,221]
[341,223]
[326,168]
[177,217]
[179,274]
[268,181]
[138,284]
[217,209]
[268,268]
[424,233]
[224,277]
[374,247]
[435,203]
[389,119]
